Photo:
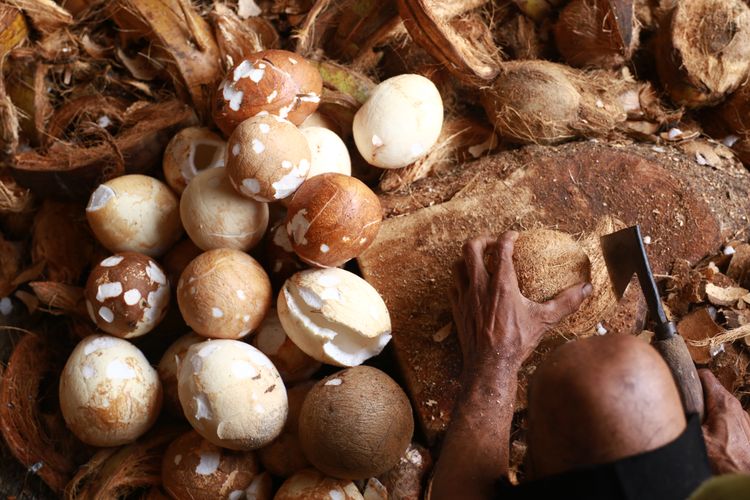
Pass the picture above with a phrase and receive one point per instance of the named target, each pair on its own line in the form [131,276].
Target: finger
[473,251]
[565,303]
[460,278]
[714,394]
[504,277]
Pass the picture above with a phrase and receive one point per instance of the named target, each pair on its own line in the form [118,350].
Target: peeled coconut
[232,394]
[195,469]
[190,151]
[109,393]
[271,339]
[399,122]
[310,484]
[356,423]
[327,151]
[334,316]
[284,457]
[547,262]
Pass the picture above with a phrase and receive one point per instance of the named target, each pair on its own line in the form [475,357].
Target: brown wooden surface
[687,209]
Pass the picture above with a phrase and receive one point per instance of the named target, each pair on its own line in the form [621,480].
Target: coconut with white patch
[328,152]
[109,393]
[358,428]
[216,216]
[310,483]
[224,293]
[284,456]
[127,294]
[232,394]
[168,367]
[267,82]
[334,316]
[205,471]
[293,364]
[332,218]
[191,150]
[400,121]
[272,158]
[135,213]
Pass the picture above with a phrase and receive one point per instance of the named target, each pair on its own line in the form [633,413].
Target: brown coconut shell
[355,424]
[703,50]
[730,123]
[597,33]
[542,102]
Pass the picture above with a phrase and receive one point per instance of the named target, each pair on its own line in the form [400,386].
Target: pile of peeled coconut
[271,378]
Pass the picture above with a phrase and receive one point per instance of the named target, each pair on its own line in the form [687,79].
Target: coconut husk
[11,258]
[59,298]
[724,296]
[359,27]
[520,38]
[739,265]
[180,38]
[697,326]
[540,102]
[730,123]
[346,80]
[14,199]
[136,147]
[8,125]
[703,50]
[62,240]
[27,86]
[238,37]
[121,472]
[30,423]
[406,480]
[597,33]
[730,365]
[45,15]
[463,44]
[538,10]
[13,29]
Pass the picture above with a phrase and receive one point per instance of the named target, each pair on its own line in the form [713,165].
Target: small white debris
[6,306]
[104,121]
[647,240]
[658,149]
[674,134]
[599,103]
[729,250]
[431,402]
[714,350]
[700,159]
[334,381]
[600,330]
[730,140]
[292,60]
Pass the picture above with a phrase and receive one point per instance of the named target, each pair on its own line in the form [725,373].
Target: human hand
[726,428]
[495,322]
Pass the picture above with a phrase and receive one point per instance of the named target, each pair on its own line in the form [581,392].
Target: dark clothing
[673,471]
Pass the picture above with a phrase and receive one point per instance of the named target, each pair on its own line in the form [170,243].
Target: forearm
[475,450]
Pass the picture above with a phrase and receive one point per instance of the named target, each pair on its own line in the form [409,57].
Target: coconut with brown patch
[334,316]
[271,339]
[328,152]
[268,158]
[702,50]
[127,294]
[400,121]
[540,102]
[216,216]
[332,218]
[196,469]
[284,456]
[190,151]
[309,483]
[223,293]
[109,393]
[135,213]
[232,394]
[274,82]
[356,423]
[547,262]
[168,368]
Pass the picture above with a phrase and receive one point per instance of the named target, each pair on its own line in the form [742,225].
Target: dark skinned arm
[498,328]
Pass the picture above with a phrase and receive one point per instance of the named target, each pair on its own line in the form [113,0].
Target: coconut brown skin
[168,367]
[310,484]
[127,294]
[268,158]
[224,293]
[195,469]
[276,82]
[356,423]
[332,218]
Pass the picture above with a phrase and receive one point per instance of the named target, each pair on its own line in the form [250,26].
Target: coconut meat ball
[216,216]
[232,394]
[334,316]
[268,158]
[135,213]
[109,393]
[191,150]
[168,369]
[271,339]
[309,483]
[223,293]
[399,122]
[127,294]
[195,469]
[328,152]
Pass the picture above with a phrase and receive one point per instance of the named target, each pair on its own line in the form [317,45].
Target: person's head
[597,400]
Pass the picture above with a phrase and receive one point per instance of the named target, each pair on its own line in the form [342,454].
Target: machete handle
[676,354]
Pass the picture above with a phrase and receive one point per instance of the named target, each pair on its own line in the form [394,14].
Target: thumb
[565,303]
[714,393]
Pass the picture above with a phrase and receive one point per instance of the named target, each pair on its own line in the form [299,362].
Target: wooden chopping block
[686,209]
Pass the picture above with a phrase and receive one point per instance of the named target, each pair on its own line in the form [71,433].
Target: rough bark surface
[688,210]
